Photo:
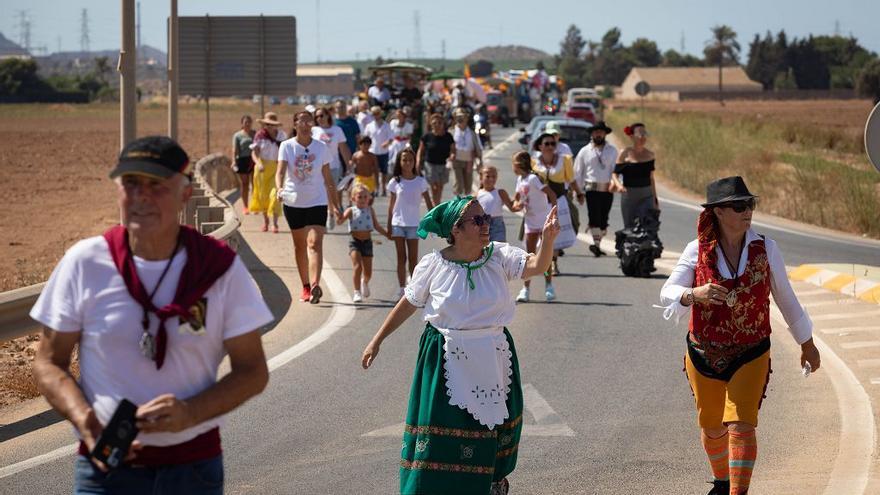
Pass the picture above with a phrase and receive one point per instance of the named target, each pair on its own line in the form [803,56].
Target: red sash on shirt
[207,259]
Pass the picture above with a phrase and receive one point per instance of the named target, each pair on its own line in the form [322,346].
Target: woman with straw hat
[724,279]
[455,440]
[265,154]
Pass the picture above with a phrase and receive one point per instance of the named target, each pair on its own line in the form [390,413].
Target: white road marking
[814,292]
[844,316]
[846,330]
[860,345]
[340,316]
[875,381]
[868,363]
[833,302]
[547,422]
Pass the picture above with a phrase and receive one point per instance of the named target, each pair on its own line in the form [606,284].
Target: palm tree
[722,48]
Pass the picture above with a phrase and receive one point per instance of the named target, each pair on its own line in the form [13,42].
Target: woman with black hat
[727,276]
[464,418]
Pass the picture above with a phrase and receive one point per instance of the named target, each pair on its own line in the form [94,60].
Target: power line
[84,31]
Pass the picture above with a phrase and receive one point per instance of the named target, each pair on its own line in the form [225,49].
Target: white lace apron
[478,370]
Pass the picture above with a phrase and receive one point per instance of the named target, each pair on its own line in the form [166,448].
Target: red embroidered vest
[745,318]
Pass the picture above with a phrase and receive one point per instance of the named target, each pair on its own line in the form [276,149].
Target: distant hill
[9,48]
[508,52]
[146,55]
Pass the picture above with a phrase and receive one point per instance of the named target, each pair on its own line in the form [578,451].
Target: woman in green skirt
[465,407]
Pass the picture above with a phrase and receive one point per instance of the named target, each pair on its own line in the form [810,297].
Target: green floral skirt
[445,450]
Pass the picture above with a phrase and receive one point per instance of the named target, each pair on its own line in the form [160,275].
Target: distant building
[678,83]
[9,49]
[319,79]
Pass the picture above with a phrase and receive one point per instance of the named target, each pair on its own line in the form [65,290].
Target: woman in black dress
[635,166]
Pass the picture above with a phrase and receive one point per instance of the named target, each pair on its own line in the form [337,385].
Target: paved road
[608,409]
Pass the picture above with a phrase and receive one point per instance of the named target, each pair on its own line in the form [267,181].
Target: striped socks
[716,450]
[743,451]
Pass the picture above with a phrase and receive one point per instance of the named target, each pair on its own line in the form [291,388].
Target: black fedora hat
[600,126]
[726,190]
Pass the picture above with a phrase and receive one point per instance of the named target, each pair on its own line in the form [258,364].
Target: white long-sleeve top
[682,278]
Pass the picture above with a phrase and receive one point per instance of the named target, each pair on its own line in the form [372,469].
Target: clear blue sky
[348,30]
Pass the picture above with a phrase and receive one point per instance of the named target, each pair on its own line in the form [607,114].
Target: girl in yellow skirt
[265,154]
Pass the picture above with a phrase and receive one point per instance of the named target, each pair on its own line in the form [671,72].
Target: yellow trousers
[263,197]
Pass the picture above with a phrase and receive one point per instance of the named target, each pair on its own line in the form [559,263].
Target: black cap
[600,126]
[726,190]
[154,156]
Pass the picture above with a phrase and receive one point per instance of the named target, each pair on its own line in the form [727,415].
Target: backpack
[637,248]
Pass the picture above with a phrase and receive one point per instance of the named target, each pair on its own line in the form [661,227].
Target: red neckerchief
[264,134]
[207,259]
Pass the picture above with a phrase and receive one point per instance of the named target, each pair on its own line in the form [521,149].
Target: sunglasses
[740,206]
[479,220]
[549,143]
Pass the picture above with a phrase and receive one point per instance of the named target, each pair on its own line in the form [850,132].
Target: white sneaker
[550,293]
[401,292]
[523,295]
[356,297]
[365,289]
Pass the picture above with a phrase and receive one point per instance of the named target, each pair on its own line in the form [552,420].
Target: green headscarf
[442,217]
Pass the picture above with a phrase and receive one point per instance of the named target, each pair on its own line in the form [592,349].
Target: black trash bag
[638,247]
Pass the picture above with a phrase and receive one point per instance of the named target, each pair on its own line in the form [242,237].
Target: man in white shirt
[153,306]
[382,136]
[593,167]
[364,116]
[468,150]
[378,93]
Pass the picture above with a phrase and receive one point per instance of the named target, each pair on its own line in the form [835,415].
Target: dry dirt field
[55,160]
[845,118]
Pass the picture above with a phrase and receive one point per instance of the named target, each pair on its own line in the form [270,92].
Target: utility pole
[682,41]
[127,82]
[172,71]
[318,25]
[837,27]
[24,30]
[84,31]
[138,27]
[443,50]
[417,34]
[59,44]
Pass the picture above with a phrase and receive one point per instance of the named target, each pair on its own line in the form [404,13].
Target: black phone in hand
[114,442]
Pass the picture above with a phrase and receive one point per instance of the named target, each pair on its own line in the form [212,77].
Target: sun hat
[271,118]
[600,126]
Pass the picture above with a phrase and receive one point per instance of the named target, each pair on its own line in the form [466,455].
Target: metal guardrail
[209,210]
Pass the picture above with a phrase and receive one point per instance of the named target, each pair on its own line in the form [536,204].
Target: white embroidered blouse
[441,287]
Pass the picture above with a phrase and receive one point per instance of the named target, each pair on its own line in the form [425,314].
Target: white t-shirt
[330,136]
[441,287]
[364,118]
[491,202]
[380,95]
[408,194]
[85,292]
[535,202]
[404,132]
[268,149]
[304,181]
[379,135]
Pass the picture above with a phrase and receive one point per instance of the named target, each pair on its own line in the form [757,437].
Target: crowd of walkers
[196,302]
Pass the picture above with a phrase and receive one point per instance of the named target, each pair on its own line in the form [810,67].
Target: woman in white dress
[465,406]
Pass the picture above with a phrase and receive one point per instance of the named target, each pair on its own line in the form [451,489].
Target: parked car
[574,133]
[526,132]
[274,100]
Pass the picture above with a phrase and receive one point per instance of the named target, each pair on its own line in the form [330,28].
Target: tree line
[20,82]
[812,62]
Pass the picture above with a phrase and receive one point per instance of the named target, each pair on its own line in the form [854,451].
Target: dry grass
[801,171]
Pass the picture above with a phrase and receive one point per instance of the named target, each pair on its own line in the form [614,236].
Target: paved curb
[831,278]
